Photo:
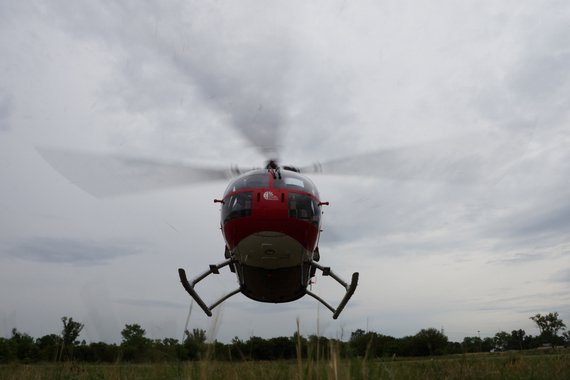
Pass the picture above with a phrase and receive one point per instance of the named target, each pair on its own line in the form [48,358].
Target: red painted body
[271,223]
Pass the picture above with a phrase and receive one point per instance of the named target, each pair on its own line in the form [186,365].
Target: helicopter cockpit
[302,194]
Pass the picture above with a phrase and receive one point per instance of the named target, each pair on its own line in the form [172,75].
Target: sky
[443,127]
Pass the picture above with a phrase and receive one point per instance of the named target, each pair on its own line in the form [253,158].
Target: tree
[566,337]
[103,352]
[472,344]
[49,347]
[517,339]
[283,348]
[259,348]
[195,343]
[69,335]
[501,341]
[6,354]
[361,343]
[430,342]
[170,348]
[134,344]
[22,346]
[549,326]
[238,349]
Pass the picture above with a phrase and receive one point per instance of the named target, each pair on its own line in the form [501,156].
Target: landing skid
[215,269]
[349,289]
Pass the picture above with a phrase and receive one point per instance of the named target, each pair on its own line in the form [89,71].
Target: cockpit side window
[237,206]
[304,207]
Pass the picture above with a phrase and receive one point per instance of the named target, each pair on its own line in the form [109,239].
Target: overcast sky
[463,222]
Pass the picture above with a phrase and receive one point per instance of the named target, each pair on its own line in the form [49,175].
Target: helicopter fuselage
[271,221]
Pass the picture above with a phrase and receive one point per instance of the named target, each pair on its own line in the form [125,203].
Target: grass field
[515,365]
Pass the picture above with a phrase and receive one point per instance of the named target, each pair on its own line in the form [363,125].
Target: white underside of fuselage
[271,250]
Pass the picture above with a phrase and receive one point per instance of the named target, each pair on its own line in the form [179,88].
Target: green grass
[527,365]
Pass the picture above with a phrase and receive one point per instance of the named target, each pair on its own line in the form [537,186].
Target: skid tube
[350,288]
[189,286]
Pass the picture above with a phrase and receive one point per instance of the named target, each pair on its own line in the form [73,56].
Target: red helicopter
[271,219]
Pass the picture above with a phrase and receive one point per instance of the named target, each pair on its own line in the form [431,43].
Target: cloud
[70,251]
[520,258]
[527,80]
[562,276]
[531,221]
[550,221]
[542,80]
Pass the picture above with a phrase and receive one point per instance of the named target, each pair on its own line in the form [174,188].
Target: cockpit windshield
[257,179]
[294,181]
[285,179]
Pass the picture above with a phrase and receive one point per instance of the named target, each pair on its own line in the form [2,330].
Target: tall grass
[517,365]
[299,349]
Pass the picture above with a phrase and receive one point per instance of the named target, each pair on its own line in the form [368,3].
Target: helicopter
[271,222]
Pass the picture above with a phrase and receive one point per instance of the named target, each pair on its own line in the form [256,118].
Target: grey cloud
[545,219]
[543,78]
[69,251]
[520,303]
[535,89]
[520,258]
[562,276]
[551,221]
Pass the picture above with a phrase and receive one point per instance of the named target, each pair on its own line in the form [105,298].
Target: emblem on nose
[269,196]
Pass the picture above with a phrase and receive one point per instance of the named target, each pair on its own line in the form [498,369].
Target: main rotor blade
[469,159]
[106,176]
[261,127]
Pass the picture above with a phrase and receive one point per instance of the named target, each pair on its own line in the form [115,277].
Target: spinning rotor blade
[470,159]
[262,128]
[105,176]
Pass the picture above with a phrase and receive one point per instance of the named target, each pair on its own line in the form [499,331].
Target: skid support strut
[350,288]
[189,286]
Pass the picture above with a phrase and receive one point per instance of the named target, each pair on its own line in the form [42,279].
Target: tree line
[136,347]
